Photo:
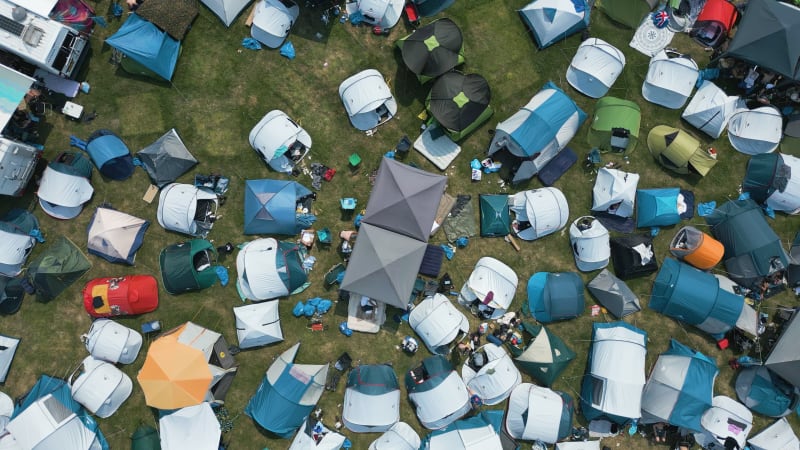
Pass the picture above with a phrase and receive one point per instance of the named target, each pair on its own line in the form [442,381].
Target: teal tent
[188,266]
[544,357]
[495,217]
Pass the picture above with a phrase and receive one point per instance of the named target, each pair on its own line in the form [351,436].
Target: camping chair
[332,275]
[402,147]
[324,236]
[348,205]
[354,161]
[592,162]
[343,364]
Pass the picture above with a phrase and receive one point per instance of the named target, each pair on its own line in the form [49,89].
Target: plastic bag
[287,50]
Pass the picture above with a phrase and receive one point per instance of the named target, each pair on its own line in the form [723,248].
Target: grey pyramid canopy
[404,200]
[166,159]
[614,294]
[384,265]
[784,359]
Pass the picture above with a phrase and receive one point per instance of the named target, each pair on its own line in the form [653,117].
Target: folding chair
[354,161]
[332,275]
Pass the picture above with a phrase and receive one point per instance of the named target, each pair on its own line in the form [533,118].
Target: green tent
[145,438]
[627,12]
[545,357]
[615,126]
[495,217]
[765,174]
[188,266]
[433,49]
[460,103]
[60,265]
[679,151]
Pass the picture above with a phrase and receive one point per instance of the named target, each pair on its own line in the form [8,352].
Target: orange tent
[174,375]
[696,248]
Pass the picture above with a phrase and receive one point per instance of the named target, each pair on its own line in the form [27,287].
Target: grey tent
[8,347]
[166,159]
[784,359]
[614,294]
[404,199]
[384,265]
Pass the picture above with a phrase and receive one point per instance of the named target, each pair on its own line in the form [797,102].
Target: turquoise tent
[554,296]
[766,393]
[153,50]
[495,217]
[657,207]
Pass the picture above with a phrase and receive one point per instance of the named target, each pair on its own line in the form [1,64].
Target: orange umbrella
[174,375]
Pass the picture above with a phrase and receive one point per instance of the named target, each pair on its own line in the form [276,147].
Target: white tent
[304,439]
[669,81]
[474,433]
[726,418]
[258,324]
[595,67]
[755,131]
[711,108]
[8,348]
[259,273]
[539,212]
[371,399]
[187,209]
[400,437]
[494,380]
[280,141]
[272,21]
[63,195]
[194,427]
[536,414]
[438,394]
[367,99]
[47,424]
[14,250]
[113,342]
[437,321]
[384,13]
[115,235]
[226,10]
[590,243]
[579,445]
[553,20]
[365,321]
[614,192]
[778,436]
[788,201]
[100,387]
[490,275]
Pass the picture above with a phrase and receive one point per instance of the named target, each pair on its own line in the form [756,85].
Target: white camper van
[41,41]
[17,165]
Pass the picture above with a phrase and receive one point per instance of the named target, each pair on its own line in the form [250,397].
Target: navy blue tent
[108,153]
[270,207]
[144,43]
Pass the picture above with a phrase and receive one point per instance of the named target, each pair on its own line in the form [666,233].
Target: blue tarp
[543,123]
[144,43]
[270,206]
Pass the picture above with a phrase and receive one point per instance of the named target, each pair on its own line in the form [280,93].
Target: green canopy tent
[188,266]
[679,151]
[495,217]
[615,126]
[460,103]
[145,438]
[545,357]
[627,12]
[433,49]
[60,265]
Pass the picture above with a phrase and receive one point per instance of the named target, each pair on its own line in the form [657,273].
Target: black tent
[433,49]
[633,256]
[460,103]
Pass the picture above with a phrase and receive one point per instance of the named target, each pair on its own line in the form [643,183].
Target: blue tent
[270,207]
[695,297]
[766,393]
[108,153]
[555,296]
[553,20]
[657,207]
[144,43]
[680,388]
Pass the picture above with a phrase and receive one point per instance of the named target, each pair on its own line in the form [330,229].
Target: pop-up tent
[726,418]
[711,108]
[538,212]
[495,217]
[115,236]
[258,324]
[695,297]
[166,159]
[489,275]
[108,153]
[272,21]
[784,358]
[590,244]
[633,256]
[56,268]
[678,151]
[756,131]
[432,50]
[490,373]
[438,394]
[226,10]
[766,393]
[113,342]
[533,136]
[714,22]
[100,387]
[193,427]
[553,20]
[19,230]
[399,437]
[680,388]
[692,246]
[8,348]
[383,13]
[280,141]
[539,414]
[545,356]
[438,322]
[615,126]
[371,399]
[614,379]
[753,251]
[659,207]
[287,394]
[367,99]
[595,67]
[627,12]
[614,294]
[65,186]
[460,103]
[554,296]
[153,51]
[772,178]
[188,266]
[778,435]
[476,432]
[269,269]
[316,436]
[187,209]
[270,207]
[614,192]
[670,80]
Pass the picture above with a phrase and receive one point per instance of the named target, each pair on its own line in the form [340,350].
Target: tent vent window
[57,410]
[598,388]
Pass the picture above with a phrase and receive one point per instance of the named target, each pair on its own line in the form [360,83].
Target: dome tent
[272,21]
[100,387]
[432,50]
[399,437]
[614,294]
[371,399]
[678,151]
[187,209]
[108,153]
[595,67]
[726,418]
[670,79]
[270,207]
[188,266]
[696,248]
[553,20]
[554,296]
[614,192]
[280,141]
[615,126]
[772,178]
[367,99]
[756,131]
[269,269]
[545,356]
[539,414]
[258,324]
[438,394]
[65,186]
[460,103]
[766,393]
[711,108]
[538,212]
[778,435]
[166,159]
[490,275]
[590,244]
[492,375]
[626,12]
[115,236]
[383,13]
[19,230]
[113,342]
[438,322]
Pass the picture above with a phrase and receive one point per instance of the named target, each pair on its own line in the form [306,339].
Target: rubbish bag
[251,44]
[345,330]
[297,311]
[287,50]
[324,306]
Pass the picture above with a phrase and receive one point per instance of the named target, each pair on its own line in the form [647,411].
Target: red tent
[714,22]
[123,296]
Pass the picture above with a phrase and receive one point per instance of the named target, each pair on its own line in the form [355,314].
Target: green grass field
[221,90]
